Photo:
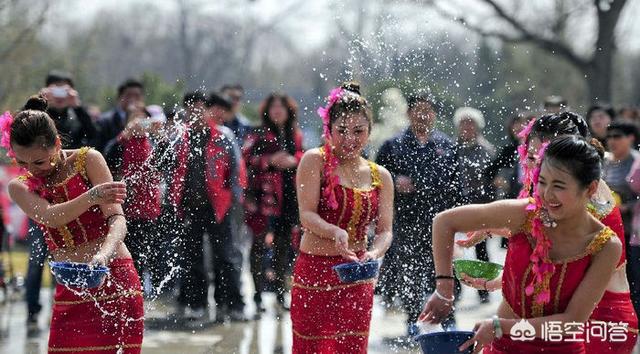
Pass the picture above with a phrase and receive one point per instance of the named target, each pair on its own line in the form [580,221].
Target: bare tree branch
[550,45]
[27,31]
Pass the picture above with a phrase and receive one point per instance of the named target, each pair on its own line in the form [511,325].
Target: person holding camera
[72,120]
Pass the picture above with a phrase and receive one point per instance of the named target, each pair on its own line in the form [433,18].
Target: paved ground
[269,335]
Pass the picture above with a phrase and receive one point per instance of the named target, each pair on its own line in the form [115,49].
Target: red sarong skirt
[105,320]
[614,307]
[328,316]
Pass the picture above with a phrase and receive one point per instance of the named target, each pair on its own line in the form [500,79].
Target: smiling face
[36,159]
[561,193]
[349,135]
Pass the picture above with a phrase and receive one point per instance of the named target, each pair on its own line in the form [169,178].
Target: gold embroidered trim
[596,244]
[332,287]
[343,208]
[67,237]
[355,216]
[376,181]
[556,301]
[128,293]
[332,336]
[81,161]
[94,349]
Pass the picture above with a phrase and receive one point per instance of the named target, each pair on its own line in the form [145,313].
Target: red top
[565,279]
[143,200]
[91,225]
[357,207]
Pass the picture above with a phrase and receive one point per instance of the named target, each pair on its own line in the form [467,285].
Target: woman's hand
[370,255]
[99,260]
[473,238]
[108,193]
[436,309]
[481,283]
[283,160]
[484,334]
[342,245]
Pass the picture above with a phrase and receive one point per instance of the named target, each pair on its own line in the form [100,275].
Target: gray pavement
[269,335]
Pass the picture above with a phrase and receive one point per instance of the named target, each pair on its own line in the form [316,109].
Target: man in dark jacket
[112,122]
[422,161]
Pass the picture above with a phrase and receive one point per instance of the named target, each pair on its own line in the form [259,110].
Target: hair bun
[36,103]
[352,86]
[598,145]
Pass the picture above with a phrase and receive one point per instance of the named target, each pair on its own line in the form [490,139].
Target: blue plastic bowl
[444,342]
[356,271]
[78,275]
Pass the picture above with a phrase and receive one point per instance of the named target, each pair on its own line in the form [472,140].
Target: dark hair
[55,76]
[554,101]
[33,125]
[550,126]
[129,83]
[194,97]
[232,87]
[414,100]
[218,99]
[626,128]
[518,117]
[350,102]
[574,154]
[290,126]
[602,107]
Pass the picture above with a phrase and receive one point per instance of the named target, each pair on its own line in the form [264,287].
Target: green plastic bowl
[476,269]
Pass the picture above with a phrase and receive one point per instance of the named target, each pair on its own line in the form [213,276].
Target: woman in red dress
[71,195]
[272,153]
[559,261]
[340,195]
[615,304]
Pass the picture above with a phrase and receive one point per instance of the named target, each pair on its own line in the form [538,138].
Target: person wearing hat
[475,154]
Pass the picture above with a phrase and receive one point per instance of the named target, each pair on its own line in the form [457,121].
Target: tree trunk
[598,77]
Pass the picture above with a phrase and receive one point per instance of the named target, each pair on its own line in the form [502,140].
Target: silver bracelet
[439,296]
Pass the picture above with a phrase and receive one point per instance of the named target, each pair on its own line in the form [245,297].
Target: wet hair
[33,125]
[626,128]
[218,99]
[290,126]
[194,97]
[550,126]
[577,156]
[351,102]
[129,83]
[414,100]
[56,76]
[602,107]
[232,87]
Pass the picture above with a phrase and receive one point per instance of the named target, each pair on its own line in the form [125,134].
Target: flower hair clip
[6,119]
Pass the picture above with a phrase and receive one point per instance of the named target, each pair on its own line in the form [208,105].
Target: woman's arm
[509,214]
[308,184]
[384,226]
[98,173]
[584,299]
[57,215]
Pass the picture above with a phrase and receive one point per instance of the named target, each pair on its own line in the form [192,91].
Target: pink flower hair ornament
[331,161]
[522,154]
[542,268]
[6,119]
